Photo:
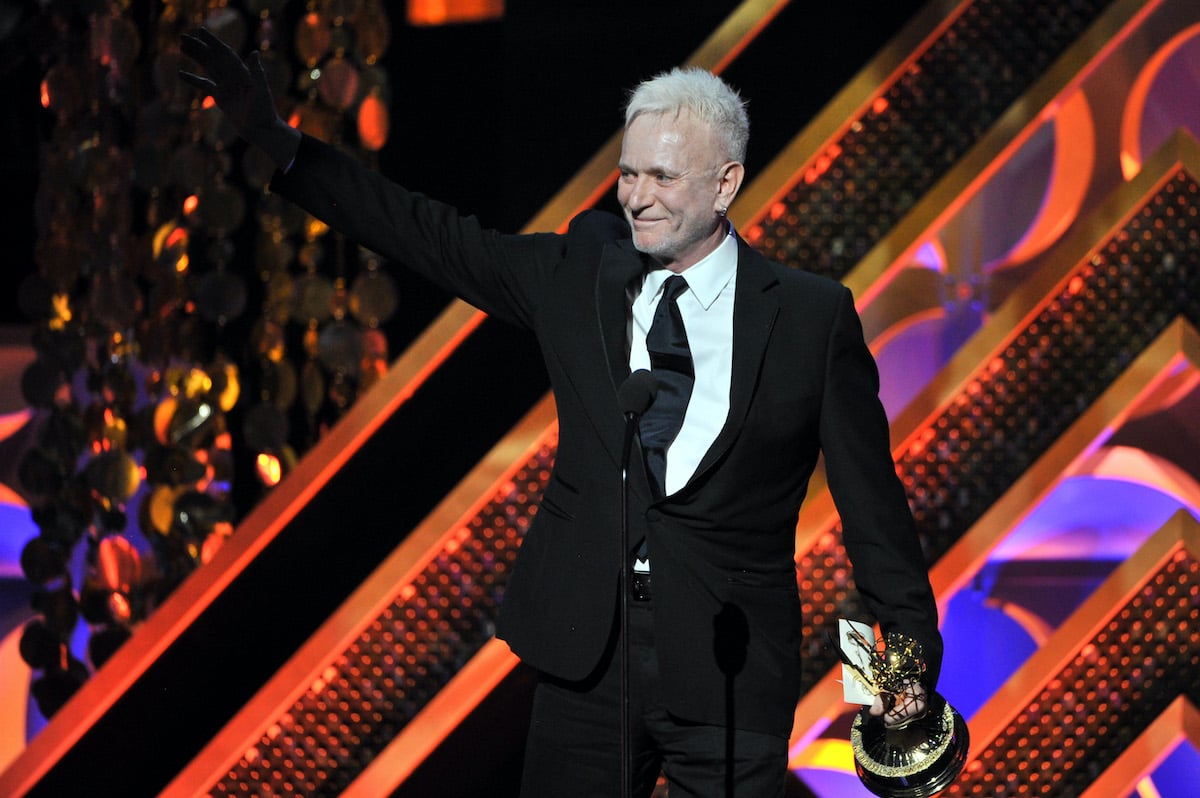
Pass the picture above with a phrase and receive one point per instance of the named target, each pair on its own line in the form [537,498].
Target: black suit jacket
[726,604]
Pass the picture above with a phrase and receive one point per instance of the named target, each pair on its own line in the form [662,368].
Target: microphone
[635,396]
[637,393]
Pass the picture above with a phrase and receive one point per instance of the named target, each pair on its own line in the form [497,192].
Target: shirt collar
[706,278]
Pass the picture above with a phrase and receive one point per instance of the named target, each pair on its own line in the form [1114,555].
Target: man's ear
[730,178]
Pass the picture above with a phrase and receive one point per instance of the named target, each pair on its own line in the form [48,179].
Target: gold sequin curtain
[194,334]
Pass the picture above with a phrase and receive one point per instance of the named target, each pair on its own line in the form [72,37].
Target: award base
[916,760]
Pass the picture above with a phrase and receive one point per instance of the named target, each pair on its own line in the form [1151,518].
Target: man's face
[671,188]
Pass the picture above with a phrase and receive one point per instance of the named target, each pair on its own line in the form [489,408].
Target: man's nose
[641,193]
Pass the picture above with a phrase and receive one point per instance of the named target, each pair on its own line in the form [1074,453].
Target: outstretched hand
[241,91]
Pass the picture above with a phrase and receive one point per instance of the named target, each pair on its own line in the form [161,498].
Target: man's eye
[664,178]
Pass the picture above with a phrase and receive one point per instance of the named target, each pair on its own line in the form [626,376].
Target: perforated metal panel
[916,130]
[401,660]
[1112,689]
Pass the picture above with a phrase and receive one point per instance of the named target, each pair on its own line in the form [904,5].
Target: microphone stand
[635,395]
[623,633]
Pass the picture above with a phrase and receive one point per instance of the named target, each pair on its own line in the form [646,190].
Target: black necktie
[671,364]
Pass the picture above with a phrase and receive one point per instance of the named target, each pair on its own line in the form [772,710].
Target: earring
[722,210]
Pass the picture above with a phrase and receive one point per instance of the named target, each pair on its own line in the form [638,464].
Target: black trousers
[574,743]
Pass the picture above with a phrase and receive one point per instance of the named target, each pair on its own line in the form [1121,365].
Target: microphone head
[637,392]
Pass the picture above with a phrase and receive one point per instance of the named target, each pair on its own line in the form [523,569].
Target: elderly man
[759,369]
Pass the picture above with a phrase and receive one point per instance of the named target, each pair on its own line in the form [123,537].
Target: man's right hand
[241,91]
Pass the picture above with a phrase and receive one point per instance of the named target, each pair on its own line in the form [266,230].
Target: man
[772,370]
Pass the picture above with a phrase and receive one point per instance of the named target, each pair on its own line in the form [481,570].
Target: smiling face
[674,188]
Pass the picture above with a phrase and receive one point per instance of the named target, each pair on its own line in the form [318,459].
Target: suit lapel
[619,266]
[755,308]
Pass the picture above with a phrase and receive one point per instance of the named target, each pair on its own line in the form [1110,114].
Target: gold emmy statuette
[919,757]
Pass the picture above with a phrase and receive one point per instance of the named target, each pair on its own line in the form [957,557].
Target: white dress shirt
[707,311]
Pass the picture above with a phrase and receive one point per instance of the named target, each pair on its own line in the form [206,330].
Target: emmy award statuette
[914,759]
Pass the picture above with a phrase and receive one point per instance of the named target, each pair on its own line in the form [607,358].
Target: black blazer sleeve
[498,273]
[877,523]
